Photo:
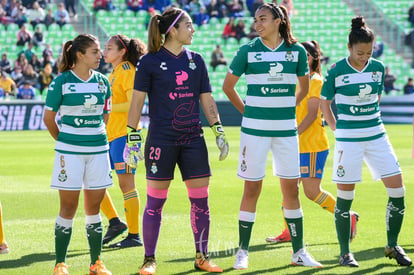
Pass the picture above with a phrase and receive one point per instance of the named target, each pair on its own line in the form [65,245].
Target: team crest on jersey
[62,176]
[192,65]
[275,71]
[375,77]
[289,56]
[154,168]
[101,87]
[340,171]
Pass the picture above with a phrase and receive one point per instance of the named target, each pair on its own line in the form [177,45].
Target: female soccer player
[3,244]
[175,135]
[356,83]
[272,63]
[82,97]
[123,53]
[313,142]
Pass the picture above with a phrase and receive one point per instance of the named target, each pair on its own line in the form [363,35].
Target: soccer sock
[131,206]
[63,232]
[326,201]
[246,221]
[94,235]
[394,214]
[1,226]
[108,207]
[151,221]
[343,223]
[200,217]
[294,220]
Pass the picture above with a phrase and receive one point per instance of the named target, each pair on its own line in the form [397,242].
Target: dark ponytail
[312,47]
[134,48]
[80,44]
[159,24]
[285,29]
[360,33]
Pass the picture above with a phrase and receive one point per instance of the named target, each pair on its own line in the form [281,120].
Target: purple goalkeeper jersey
[173,84]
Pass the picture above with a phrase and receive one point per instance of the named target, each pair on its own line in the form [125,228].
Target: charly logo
[163,66]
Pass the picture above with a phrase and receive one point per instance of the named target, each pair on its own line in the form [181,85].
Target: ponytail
[162,24]
[71,47]
[134,48]
[281,12]
[313,49]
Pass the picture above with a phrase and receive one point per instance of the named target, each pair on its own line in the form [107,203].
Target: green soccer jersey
[356,95]
[271,77]
[81,105]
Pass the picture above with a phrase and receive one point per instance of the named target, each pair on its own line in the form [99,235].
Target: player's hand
[221,140]
[132,150]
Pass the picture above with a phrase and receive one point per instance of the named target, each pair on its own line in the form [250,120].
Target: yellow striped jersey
[122,83]
[314,138]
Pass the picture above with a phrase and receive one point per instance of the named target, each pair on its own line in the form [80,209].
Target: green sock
[394,219]
[295,227]
[343,223]
[94,235]
[245,231]
[62,239]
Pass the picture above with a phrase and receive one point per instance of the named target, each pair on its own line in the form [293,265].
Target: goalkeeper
[176,83]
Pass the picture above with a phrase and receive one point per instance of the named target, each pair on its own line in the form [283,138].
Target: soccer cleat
[114,231]
[242,259]
[302,257]
[203,262]
[99,269]
[61,269]
[282,238]
[354,220]
[149,266]
[398,253]
[348,260]
[4,248]
[127,242]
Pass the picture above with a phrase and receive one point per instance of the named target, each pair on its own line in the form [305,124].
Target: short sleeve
[54,94]
[303,67]
[142,80]
[238,65]
[328,88]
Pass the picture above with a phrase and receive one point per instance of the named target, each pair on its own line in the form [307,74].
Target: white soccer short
[76,172]
[378,154]
[253,157]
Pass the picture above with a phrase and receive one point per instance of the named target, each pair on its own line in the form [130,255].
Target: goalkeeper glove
[132,150]
[221,140]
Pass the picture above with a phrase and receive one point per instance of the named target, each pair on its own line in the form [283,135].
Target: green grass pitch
[30,208]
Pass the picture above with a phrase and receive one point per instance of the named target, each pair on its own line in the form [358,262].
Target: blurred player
[272,63]
[123,53]
[3,244]
[82,97]
[313,142]
[176,82]
[356,83]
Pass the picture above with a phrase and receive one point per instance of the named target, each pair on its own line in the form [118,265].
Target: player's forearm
[137,103]
[209,108]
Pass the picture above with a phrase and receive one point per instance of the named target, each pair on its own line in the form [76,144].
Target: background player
[313,142]
[176,82]
[356,83]
[272,63]
[82,96]
[3,244]
[123,53]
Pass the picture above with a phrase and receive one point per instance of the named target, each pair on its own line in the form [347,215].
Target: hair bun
[358,22]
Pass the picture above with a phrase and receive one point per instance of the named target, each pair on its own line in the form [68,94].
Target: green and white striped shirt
[271,77]
[356,95]
[81,105]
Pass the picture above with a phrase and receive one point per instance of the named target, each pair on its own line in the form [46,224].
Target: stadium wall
[28,114]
